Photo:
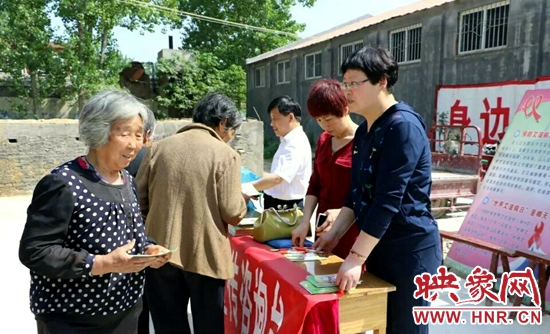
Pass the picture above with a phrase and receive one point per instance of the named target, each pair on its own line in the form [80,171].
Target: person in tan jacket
[189,188]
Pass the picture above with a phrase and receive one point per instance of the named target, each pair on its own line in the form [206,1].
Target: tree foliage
[90,48]
[184,82]
[234,45]
[89,59]
[27,58]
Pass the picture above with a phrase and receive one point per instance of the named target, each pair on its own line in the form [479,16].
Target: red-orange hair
[326,97]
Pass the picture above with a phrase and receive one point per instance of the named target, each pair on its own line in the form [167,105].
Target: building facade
[438,43]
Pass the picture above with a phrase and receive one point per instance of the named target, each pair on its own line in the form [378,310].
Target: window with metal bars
[283,72]
[347,49]
[484,28]
[313,65]
[406,44]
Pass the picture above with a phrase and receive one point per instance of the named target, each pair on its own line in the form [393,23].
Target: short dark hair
[376,63]
[286,105]
[214,108]
[326,98]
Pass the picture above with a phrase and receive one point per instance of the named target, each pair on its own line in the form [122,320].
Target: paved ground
[16,317]
[14,283]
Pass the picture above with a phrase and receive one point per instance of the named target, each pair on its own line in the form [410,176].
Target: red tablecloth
[265,295]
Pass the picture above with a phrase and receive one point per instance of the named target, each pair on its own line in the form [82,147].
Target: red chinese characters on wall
[495,118]
[459,114]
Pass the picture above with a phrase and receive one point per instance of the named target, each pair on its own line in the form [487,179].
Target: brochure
[323,281]
[312,289]
[299,257]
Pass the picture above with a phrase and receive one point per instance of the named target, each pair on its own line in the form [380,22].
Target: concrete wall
[48,108]
[528,45]
[29,149]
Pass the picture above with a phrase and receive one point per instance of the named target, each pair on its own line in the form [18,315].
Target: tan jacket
[189,188]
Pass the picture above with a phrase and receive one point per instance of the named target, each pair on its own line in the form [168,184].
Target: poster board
[512,207]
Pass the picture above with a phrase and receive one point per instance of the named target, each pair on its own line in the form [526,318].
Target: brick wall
[29,149]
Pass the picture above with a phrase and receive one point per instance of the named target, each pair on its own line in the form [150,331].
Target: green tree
[89,59]
[90,49]
[184,82]
[28,59]
[233,45]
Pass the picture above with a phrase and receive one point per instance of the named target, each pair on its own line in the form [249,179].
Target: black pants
[399,268]
[272,202]
[143,321]
[125,325]
[169,290]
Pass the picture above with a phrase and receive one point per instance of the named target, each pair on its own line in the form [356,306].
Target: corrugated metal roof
[354,25]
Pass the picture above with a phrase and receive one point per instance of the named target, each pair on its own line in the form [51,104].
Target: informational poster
[490,106]
[512,206]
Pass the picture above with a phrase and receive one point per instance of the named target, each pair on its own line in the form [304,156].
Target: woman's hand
[327,225]
[161,260]
[349,273]
[326,242]
[299,234]
[119,261]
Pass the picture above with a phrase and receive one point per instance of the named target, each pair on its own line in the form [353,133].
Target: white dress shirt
[292,162]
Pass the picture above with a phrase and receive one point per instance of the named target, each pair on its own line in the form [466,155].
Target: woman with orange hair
[330,181]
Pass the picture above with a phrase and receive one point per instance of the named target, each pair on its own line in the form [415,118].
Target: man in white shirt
[291,167]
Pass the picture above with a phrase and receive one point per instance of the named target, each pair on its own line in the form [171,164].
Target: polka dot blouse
[73,217]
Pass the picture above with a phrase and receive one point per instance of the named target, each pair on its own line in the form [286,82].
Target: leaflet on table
[300,256]
[312,289]
[323,281]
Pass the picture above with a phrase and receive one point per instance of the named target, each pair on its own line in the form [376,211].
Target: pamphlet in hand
[168,251]
[249,190]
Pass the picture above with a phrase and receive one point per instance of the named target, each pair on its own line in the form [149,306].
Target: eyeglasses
[353,84]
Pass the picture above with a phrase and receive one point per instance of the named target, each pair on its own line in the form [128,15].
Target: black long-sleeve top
[73,217]
[391,181]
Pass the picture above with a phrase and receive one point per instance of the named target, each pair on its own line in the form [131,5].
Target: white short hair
[105,109]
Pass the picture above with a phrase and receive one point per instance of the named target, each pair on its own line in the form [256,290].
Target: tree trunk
[80,102]
[104,37]
[34,97]
[81,37]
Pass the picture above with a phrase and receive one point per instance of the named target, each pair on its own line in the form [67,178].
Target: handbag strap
[295,209]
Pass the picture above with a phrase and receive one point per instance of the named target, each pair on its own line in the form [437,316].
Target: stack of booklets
[246,226]
[318,284]
[240,230]
[304,256]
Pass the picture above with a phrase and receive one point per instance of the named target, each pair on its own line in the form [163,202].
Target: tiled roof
[354,25]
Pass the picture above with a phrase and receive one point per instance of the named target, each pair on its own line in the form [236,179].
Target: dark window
[406,44]
[484,28]
[313,65]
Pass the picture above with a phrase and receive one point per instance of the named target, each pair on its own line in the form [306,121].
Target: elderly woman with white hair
[84,224]
[148,135]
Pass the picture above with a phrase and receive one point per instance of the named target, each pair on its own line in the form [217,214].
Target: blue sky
[317,19]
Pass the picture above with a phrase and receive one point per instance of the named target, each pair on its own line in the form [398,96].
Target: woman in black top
[389,197]
[84,221]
